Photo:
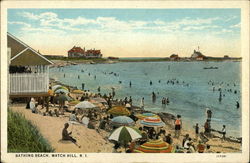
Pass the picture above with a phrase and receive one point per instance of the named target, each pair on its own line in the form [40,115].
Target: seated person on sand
[33,105]
[201,147]
[85,120]
[66,135]
[56,112]
[91,125]
[72,117]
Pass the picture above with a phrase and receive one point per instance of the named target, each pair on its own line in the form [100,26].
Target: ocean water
[189,97]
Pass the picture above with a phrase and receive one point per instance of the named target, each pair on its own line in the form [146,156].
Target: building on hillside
[200,58]
[174,57]
[78,52]
[28,70]
[93,53]
[197,55]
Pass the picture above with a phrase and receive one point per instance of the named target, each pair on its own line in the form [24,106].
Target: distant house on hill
[78,52]
[197,55]
[28,70]
[93,54]
[174,57]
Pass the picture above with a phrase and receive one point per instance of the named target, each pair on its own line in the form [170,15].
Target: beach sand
[51,129]
[92,141]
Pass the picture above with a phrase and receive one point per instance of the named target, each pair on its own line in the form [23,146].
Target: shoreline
[166,117]
[67,62]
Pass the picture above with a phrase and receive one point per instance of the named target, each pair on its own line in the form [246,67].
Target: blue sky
[129,32]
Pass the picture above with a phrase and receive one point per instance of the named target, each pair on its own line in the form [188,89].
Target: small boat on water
[210,67]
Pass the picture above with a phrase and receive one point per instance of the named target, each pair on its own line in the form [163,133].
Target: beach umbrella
[145,115]
[85,105]
[61,90]
[62,87]
[78,91]
[55,87]
[64,98]
[124,134]
[127,105]
[119,110]
[99,99]
[155,146]
[74,102]
[122,121]
[152,122]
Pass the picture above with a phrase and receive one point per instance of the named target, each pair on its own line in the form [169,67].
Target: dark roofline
[27,47]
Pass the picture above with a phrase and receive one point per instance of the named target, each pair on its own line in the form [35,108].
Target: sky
[129,32]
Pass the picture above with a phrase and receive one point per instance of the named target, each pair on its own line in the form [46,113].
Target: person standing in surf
[142,103]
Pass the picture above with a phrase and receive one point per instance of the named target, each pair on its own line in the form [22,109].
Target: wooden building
[28,70]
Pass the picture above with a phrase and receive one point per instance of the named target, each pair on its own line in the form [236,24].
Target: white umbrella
[125,133]
[127,105]
[85,105]
[99,99]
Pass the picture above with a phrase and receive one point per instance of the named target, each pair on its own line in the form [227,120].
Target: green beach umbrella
[124,134]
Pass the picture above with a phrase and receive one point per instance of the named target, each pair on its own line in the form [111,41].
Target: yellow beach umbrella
[119,110]
[145,115]
[155,146]
[78,91]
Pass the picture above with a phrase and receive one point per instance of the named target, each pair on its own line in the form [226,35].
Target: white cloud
[236,25]
[19,23]
[50,19]
[188,28]
[117,37]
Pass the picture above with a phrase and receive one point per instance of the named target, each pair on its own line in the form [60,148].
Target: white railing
[28,83]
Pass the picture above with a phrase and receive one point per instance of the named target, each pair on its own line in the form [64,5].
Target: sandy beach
[51,129]
[92,141]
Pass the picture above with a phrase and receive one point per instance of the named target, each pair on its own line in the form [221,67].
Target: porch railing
[28,83]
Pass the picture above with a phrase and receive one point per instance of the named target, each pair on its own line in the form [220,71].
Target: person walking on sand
[66,135]
[196,131]
[178,124]
[223,132]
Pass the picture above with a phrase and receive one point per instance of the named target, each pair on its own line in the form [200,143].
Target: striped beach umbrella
[55,87]
[125,134]
[61,87]
[145,115]
[62,90]
[155,146]
[119,110]
[152,122]
[122,121]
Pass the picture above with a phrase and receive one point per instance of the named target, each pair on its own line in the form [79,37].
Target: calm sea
[189,97]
